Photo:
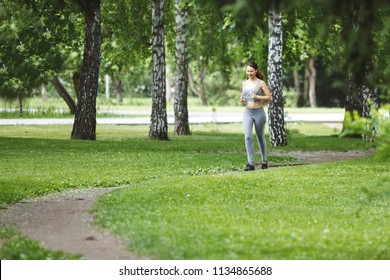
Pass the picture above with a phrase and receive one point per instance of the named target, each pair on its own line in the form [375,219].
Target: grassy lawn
[186,199]
[38,160]
[328,211]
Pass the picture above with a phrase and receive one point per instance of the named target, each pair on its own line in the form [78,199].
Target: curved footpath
[63,222]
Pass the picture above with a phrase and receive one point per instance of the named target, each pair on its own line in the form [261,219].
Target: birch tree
[277,130]
[181,56]
[158,121]
[312,81]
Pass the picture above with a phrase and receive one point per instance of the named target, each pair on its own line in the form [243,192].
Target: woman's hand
[255,97]
[242,98]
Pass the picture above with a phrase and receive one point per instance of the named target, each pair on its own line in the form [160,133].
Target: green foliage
[209,39]
[382,50]
[354,124]
[15,246]
[375,129]
[36,38]
[126,34]
[383,138]
[290,98]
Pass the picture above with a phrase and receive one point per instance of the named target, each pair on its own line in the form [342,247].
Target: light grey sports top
[246,92]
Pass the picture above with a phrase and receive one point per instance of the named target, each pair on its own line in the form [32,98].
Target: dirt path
[62,221]
[324,156]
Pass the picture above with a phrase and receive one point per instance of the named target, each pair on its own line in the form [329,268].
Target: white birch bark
[312,83]
[363,100]
[158,120]
[277,129]
[306,84]
[181,58]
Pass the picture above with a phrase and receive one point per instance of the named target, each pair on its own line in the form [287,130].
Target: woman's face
[250,72]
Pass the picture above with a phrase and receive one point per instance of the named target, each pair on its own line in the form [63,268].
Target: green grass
[329,211]
[33,166]
[185,199]
[18,247]
[39,160]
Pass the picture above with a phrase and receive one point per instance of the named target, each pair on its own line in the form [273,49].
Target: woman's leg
[260,119]
[248,127]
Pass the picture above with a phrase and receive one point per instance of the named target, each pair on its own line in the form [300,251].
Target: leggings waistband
[254,109]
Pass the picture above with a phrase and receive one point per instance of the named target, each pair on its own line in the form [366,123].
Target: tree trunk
[352,105]
[76,83]
[191,82]
[297,87]
[64,95]
[84,126]
[360,99]
[158,120]
[306,85]
[201,90]
[277,129]
[312,83]
[119,91]
[107,81]
[20,101]
[45,95]
[182,126]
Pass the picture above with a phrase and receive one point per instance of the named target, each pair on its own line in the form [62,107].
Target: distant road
[143,117]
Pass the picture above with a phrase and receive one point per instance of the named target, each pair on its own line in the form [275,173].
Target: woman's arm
[242,98]
[267,94]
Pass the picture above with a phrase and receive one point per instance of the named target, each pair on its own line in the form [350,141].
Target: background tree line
[334,53]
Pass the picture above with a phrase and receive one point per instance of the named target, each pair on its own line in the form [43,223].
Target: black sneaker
[264,165]
[249,167]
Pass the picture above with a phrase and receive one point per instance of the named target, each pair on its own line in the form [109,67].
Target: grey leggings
[258,118]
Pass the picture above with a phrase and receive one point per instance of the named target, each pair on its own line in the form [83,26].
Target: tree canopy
[41,39]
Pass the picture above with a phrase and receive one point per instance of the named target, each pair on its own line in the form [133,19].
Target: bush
[375,129]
